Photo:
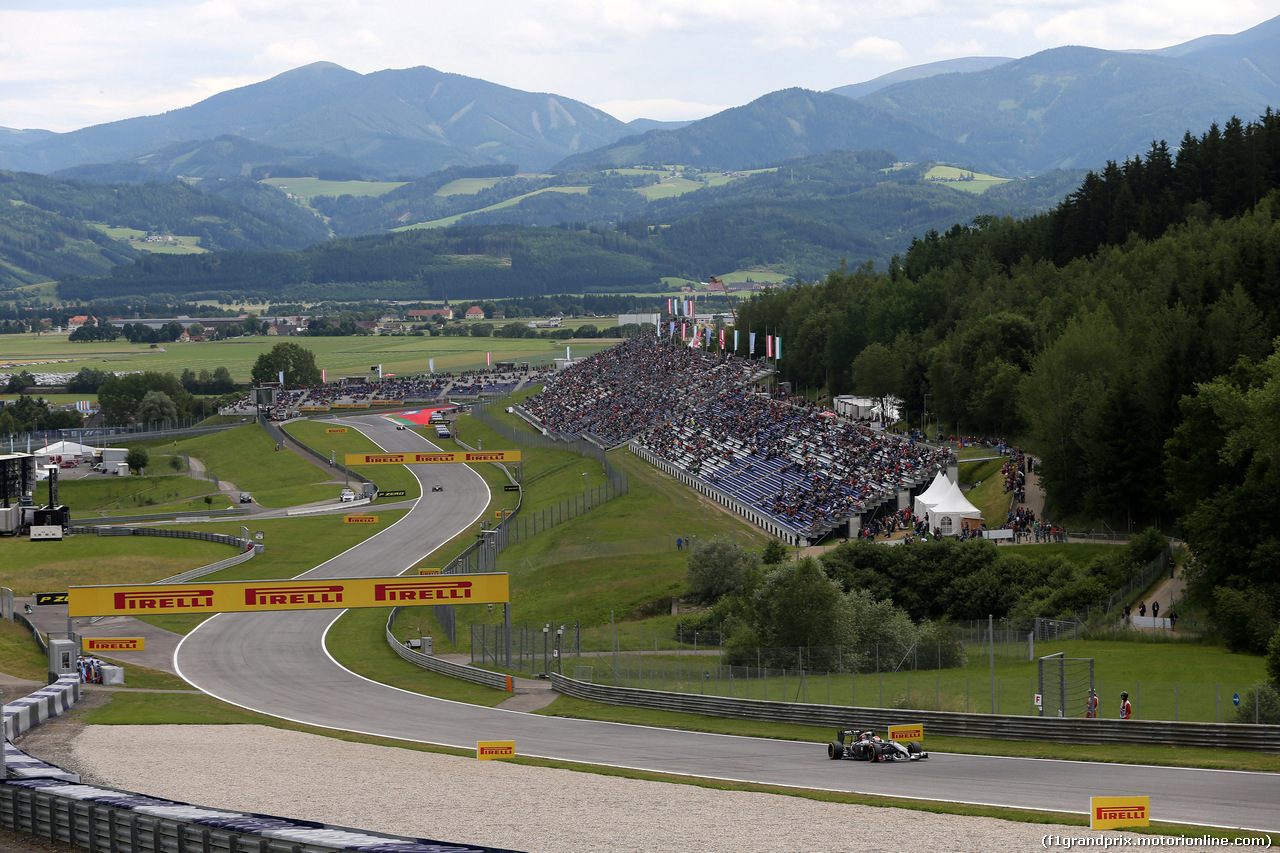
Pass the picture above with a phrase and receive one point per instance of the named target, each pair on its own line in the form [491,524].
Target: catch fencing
[1261,738]
[521,524]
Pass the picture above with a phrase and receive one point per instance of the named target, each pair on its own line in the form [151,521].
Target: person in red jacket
[1091,704]
[1126,710]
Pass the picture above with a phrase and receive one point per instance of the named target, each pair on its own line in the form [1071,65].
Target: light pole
[547,630]
[924,417]
[586,491]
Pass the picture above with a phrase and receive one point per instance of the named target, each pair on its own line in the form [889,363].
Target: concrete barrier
[444,667]
[25,713]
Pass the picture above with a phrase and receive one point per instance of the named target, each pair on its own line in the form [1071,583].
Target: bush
[717,569]
[1244,619]
[1268,710]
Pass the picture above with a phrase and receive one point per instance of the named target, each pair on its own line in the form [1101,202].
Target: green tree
[877,373]
[296,362]
[718,568]
[137,458]
[156,406]
[798,606]
[774,552]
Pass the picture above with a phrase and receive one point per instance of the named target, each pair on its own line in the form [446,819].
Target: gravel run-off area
[500,804]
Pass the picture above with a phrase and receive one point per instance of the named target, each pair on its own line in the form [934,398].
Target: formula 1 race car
[867,746]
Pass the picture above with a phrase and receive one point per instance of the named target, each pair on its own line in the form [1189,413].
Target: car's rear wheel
[835,751]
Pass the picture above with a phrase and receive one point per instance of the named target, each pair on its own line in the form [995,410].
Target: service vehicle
[346,495]
[443,432]
[868,746]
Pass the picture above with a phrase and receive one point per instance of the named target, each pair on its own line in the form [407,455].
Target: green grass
[510,202]
[388,477]
[105,493]
[349,356]
[247,457]
[965,180]
[358,641]
[615,559]
[22,657]
[308,188]
[85,560]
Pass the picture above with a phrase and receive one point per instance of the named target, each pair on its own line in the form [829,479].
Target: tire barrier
[1245,736]
[105,820]
[47,801]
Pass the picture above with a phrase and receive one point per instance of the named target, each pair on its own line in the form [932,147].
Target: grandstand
[799,472]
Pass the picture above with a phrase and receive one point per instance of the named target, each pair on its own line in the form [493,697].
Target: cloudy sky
[66,64]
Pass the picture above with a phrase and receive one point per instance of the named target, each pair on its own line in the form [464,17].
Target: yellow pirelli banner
[319,594]
[487,750]
[1115,812]
[360,519]
[446,457]
[428,571]
[336,429]
[914,731]
[114,644]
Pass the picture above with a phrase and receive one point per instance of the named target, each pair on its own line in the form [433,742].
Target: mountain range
[1067,107]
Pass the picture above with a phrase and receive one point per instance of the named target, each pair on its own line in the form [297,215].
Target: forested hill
[1126,337]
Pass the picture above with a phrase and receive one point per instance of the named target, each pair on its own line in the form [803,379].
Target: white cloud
[875,48]
[68,63]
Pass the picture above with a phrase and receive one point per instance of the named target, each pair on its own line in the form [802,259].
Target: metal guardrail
[444,667]
[89,520]
[1258,738]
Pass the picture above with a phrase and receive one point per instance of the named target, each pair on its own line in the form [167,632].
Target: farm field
[511,202]
[965,180]
[308,188]
[349,356]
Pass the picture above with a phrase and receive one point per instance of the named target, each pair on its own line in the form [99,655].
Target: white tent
[930,496]
[953,513]
[66,449]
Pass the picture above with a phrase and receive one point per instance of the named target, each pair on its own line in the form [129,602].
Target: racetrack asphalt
[276,663]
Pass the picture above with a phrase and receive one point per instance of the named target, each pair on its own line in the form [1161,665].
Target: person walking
[1155,610]
[1126,710]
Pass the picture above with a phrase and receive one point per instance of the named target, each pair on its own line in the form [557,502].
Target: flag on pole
[751,343]
[281,374]
[777,349]
[488,359]
[566,354]
[735,340]
[768,346]
[431,365]
[323,380]
[722,340]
